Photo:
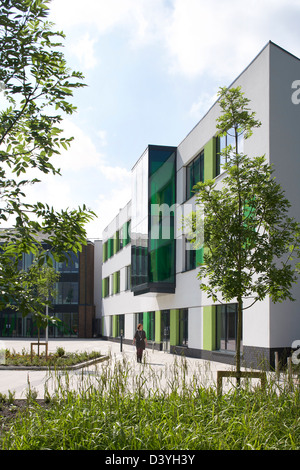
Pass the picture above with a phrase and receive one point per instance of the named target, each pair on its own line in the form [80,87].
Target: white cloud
[86,179]
[215,38]
[202,105]
[102,14]
[218,38]
[107,206]
[115,173]
[103,138]
[82,153]
[143,20]
[84,50]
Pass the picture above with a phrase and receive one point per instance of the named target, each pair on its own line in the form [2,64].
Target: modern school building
[149,272]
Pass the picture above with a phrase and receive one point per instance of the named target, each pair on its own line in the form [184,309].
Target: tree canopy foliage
[37,89]
[251,243]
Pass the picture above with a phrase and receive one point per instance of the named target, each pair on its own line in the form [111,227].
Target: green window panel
[199,256]
[158,326]
[118,325]
[110,247]
[116,242]
[115,326]
[126,233]
[116,282]
[104,252]
[209,328]
[162,174]
[174,327]
[162,260]
[149,325]
[210,160]
[105,287]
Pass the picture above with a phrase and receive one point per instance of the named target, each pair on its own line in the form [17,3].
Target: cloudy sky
[153,68]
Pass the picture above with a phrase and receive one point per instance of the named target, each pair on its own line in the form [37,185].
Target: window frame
[194,179]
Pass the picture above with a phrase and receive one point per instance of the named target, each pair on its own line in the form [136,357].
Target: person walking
[140,341]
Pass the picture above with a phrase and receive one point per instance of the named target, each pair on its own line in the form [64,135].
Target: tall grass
[113,408]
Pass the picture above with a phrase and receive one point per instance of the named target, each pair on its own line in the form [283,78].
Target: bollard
[121,343]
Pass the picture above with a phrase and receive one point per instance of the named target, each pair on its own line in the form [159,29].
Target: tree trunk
[38,342]
[238,340]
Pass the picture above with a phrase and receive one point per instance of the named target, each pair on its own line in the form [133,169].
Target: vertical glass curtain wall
[152,224]
[65,302]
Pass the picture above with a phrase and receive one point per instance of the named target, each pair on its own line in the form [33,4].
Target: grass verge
[117,409]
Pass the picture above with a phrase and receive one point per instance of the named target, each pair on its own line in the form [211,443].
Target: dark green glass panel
[153,243]
[162,194]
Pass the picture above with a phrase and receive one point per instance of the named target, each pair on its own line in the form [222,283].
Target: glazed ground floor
[211,335]
[78,322]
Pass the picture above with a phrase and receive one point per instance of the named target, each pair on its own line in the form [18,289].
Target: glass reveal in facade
[194,174]
[226,326]
[152,224]
[225,141]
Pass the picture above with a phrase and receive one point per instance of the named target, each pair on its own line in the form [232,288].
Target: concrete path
[156,371]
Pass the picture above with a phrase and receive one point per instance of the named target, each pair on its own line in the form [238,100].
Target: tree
[42,283]
[250,241]
[38,87]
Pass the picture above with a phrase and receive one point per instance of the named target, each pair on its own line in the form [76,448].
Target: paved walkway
[156,371]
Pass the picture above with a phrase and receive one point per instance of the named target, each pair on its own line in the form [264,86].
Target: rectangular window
[121,236]
[128,277]
[194,174]
[66,293]
[116,242]
[183,326]
[139,318]
[104,252]
[120,325]
[224,141]
[69,266]
[190,256]
[105,287]
[165,325]
[227,326]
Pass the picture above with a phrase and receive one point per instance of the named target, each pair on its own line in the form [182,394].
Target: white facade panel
[195,327]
